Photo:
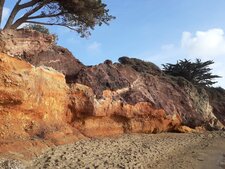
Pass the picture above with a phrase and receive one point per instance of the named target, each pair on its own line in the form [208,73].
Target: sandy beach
[158,151]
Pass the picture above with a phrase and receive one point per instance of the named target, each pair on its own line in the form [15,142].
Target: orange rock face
[38,109]
[27,94]
[109,116]
[16,43]
[33,102]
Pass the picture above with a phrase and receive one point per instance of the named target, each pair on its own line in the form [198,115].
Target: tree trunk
[18,7]
[2,2]
[24,18]
[17,23]
[12,15]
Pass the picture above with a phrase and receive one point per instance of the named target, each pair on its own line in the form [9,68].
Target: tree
[197,72]
[2,2]
[77,15]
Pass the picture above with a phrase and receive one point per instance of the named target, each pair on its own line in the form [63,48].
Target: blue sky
[160,31]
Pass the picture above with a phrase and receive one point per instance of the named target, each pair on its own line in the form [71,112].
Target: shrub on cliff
[37,27]
[198,72]
[77,15]
[42,29]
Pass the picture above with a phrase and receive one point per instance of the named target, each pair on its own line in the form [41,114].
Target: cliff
[38,109]
[39,49]
[217,101]
[144,82]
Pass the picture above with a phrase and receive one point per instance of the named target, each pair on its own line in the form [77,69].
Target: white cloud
[94,47]
[206,44]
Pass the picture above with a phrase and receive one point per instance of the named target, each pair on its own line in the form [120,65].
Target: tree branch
[51,24]
[29,4]
[45,16]
[35,9]
[2,2]
[13,15]
[26,15]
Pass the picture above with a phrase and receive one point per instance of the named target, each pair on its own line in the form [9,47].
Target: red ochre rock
[109,116]
[39,109]
[33,105]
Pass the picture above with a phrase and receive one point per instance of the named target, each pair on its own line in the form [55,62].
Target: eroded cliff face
[109,115]
[38,109]
[217,100]
[33,106]
[141,82]
[40,50]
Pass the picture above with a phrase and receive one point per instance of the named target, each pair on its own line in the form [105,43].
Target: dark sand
[158,151]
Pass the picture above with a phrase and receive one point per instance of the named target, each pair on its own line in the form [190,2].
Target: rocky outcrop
[33,106]
[41,107]
[26,93]
[38,109]
[217,100]
[142,81]
[109,115]
[40,50]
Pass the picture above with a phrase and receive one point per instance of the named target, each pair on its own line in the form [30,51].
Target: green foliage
[37,27]
[42,29]
[84,14]
[78,15]
[198,72]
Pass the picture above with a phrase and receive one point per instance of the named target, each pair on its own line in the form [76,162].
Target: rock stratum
[49,98]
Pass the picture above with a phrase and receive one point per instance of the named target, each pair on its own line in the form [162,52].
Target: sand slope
[166,150]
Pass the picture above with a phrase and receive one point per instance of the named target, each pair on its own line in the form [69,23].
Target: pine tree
[198,72]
